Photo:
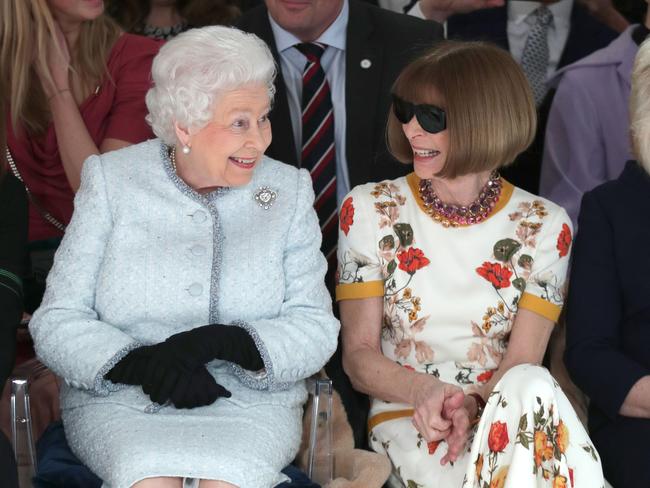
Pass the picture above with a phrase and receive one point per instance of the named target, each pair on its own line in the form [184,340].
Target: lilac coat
[587,136]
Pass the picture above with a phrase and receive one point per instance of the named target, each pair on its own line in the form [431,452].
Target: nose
[412,129]
[259,137]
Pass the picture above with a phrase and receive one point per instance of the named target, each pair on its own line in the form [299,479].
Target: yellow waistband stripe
[375,420]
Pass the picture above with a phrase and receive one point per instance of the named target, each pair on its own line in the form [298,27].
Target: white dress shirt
[394,5]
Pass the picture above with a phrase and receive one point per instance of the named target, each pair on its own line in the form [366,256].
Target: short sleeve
[132,77]
[359,272]
[545,287]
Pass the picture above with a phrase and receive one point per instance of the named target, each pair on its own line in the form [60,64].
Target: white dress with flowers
[450,300]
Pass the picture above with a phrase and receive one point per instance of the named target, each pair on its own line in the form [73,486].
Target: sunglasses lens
[403,110]
[431,119]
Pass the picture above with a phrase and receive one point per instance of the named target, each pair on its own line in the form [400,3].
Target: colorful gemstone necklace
[450,215]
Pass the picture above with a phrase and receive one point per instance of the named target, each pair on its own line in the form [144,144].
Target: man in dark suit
[365,49]
[378,44]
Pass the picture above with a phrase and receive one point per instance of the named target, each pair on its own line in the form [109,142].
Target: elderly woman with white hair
[196,227]
[608,315]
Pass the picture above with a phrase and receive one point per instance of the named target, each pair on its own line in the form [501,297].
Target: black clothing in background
[608,319]
[13,239]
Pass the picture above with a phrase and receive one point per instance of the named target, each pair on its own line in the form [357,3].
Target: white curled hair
[192,70]
[640,106]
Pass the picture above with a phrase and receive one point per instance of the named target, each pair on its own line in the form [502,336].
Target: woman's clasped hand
[440,414]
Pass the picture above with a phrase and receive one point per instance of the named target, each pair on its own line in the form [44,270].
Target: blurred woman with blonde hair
[74,85]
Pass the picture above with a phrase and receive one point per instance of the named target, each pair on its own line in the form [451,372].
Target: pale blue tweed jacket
[145,257]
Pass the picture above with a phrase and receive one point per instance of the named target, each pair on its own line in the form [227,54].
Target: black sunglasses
[431,118]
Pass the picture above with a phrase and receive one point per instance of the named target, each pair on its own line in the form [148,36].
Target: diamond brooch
[265,197]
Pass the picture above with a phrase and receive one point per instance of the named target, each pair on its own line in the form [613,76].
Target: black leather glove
[131,368]
[184,388]
[187,350]
[197,390]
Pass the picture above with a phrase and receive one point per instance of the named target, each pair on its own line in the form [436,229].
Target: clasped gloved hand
[182,353]
[203,344]
[175,370]
[184,389]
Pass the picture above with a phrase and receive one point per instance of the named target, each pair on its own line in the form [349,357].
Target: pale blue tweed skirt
[245,446]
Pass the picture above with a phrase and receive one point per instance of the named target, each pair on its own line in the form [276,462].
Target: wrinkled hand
[58,64]
[430,398]
[440,10]
[454,409]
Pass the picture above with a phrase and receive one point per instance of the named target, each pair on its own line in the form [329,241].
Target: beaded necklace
[451,215]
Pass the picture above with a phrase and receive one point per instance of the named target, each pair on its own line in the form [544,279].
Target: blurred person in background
[164,19]
[608,307]
[73,85]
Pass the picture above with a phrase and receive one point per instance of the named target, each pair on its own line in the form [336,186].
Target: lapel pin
[366,63]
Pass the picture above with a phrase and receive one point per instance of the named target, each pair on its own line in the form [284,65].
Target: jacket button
[199,217]
[195,289]
[198,250]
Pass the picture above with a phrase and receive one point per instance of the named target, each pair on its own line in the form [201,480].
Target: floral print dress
[450,300]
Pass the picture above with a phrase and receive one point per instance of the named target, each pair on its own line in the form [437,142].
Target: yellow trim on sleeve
[375,420]
[507,189]
[540,306]
[351,291]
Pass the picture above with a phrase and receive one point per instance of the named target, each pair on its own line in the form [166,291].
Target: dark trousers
[625,452]
[8,471]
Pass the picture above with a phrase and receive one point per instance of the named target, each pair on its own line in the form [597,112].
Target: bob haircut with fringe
[195,68]
[640,106]
[491,115]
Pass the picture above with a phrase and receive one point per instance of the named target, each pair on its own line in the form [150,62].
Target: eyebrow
[246,110]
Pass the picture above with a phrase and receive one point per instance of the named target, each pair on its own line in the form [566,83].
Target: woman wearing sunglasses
[450,281]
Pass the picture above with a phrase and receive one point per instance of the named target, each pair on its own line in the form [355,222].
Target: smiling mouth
[422,153]
[243,162]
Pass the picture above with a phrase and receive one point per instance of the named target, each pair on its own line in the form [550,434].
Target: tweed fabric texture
[145,257]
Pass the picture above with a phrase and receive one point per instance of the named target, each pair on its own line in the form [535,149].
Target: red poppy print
[564,241]
[433,446]
[498,436]
[485,376]
[496,274]
[411,260]
[346,217]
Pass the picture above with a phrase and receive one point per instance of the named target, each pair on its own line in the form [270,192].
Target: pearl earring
[186,149]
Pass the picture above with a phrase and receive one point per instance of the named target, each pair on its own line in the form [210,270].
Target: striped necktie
[534,60]
[318,155]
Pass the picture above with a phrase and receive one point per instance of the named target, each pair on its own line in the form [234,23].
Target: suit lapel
[574,43]
[364,58]
[586,35]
